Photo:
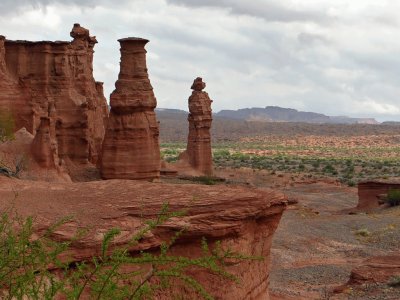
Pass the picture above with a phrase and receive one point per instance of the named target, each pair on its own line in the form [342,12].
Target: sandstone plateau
[131,148]
[242,219]
[55,80]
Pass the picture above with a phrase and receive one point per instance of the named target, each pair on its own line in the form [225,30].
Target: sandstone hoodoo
[198,151]
[55,80]
[131,147]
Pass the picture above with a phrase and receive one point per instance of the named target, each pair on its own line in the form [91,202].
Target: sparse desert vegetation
[347,159]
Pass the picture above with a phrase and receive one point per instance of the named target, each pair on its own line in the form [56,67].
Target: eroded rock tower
[131,147]
[198,149]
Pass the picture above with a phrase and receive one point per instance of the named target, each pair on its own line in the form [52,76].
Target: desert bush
[363,232]
[31,268]
[351,183]
[393,197]
[395,281]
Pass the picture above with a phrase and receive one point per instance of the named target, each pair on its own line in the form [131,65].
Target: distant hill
[174,127]
[279,114]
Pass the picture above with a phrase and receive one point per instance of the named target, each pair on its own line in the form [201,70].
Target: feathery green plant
[31,268]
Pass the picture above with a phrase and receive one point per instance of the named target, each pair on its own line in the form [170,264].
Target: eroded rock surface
[131,147]
[376,269]
[370,193]
[33,157]
[198,151]
[14,98]
[241,218]
[55,80]
[44,145]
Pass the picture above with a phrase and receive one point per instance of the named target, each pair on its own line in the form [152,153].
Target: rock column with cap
[131,147]
[199,140]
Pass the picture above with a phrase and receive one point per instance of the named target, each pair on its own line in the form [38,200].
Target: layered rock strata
[376,269]
[44,145]
[243,219]
[55,80]
[131,148]
[198,151]
[371,193]
[15,102]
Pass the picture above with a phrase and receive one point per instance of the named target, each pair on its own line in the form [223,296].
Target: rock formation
[55,80]
[131,148]
[376,269]
[370,193]
[14,101]
[44,145]
[242,219]
[198,151]
[373,270]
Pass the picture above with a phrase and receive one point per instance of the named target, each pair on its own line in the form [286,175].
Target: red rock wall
[14,99]
[58,80]
[199,139]
[44,146]
[369,192]
[131,147]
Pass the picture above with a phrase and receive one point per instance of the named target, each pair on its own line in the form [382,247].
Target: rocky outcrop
[55,80]
[32,157]
[131,148]
[15,104]
[373,271]
[198,151]
[242,219]
[44,145]
[370,193]
[376,269]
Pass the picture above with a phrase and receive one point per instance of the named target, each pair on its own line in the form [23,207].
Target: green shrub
[351,183]
[28,261]
[207,180]
[395,281]
[393,197]
[363,232]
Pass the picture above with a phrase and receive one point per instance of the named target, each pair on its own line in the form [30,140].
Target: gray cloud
[272,11]
[333,57]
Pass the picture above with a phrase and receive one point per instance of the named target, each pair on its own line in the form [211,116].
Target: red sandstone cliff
[131,148]
[242,219]
[55,80]
[14,97]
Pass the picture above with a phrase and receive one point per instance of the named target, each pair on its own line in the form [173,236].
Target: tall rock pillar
[131,147]
[199,140]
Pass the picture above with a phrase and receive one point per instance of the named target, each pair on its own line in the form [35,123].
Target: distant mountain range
[279,114]
[276,114]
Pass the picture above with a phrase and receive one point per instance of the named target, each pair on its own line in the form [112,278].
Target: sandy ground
[317,244]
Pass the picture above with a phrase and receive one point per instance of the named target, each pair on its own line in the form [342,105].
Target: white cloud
[314,55]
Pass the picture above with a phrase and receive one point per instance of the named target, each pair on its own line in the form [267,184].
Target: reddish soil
[317,244]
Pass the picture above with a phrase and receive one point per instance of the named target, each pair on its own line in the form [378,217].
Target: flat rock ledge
[242,219]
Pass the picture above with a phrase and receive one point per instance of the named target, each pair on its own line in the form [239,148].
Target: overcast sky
[337,57]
